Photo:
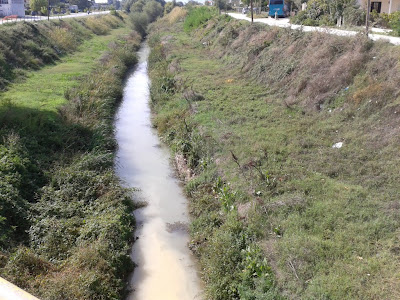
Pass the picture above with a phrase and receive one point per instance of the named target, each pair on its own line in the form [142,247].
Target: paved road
[285,23]
[42,18]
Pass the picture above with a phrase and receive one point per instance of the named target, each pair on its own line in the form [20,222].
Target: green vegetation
[343,12]
[30,46]
[143,12]
[37,5]
[330,13]
[45,89]
[255,112]
[65,221]
[387,20]
[198,16]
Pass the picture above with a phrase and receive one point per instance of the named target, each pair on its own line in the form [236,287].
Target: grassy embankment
[65,221]
[255,112]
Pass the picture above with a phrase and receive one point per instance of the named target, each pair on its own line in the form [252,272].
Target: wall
[12,7]
[384,6]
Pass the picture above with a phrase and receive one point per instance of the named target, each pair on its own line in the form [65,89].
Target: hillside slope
[293,143]
[65,221]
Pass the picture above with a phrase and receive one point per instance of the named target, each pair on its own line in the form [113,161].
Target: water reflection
[166,268]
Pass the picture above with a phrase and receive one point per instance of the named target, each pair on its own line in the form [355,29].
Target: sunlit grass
[44,89]
[328,223]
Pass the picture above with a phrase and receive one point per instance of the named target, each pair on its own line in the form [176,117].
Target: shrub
[327,13]
[394,22]
[14,187]
[153,9]
[353,15]
[139,22]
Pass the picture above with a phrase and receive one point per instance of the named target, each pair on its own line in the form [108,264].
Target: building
[12,7]
[384,6]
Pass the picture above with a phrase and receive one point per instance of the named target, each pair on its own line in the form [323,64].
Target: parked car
[245,10]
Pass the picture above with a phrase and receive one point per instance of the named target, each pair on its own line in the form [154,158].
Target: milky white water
[166,270]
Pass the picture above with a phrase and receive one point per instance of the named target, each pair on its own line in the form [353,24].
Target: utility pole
[367,17]
[251,8]
[48,10]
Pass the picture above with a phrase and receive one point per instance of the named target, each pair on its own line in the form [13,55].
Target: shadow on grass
[32,142]
[44,134]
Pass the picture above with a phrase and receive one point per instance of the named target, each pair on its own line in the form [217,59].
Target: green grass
[326,219]
[45,89]
[198,16]
[65,220]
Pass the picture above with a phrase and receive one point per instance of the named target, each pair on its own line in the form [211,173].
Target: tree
[138,6]
[169,6]
[153,10]
[139,22]
[127,5]
[325,12]
[251,7]
[36,5]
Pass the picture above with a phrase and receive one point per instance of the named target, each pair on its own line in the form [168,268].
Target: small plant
[278,230]
[227,198]
[167,84]
[254,265]
[224,195]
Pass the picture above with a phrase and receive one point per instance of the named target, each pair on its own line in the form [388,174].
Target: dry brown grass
[63,38]
[372,91]
[177,14]
[97,25]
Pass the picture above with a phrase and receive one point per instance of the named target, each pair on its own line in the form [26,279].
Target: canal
[165,267]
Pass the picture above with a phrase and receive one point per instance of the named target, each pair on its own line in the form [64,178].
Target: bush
[153,9]
[139,22]
[354,15]
[327,13]
[14,189]
[394,22]
[143,13]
